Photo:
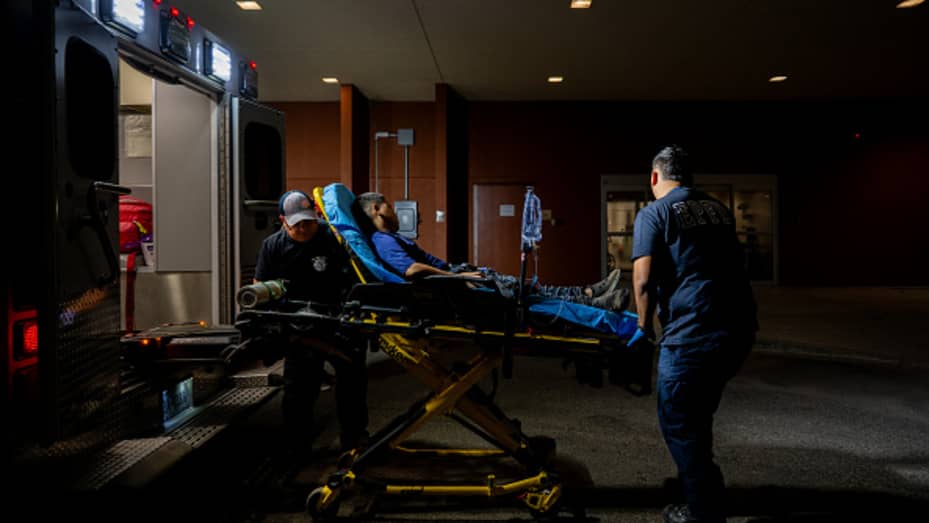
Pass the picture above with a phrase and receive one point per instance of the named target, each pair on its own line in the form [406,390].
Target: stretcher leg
[540,491]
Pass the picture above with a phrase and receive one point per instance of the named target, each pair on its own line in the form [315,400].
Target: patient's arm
[417,269]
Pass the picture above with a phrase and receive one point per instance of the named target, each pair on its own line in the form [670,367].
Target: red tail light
[26,341]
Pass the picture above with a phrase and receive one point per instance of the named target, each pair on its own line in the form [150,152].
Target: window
[90,101]
[263,162]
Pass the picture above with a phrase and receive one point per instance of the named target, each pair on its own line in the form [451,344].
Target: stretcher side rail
[591,352]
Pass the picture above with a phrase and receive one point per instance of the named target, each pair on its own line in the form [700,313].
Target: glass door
[753,210]
[752,199]
[621,208]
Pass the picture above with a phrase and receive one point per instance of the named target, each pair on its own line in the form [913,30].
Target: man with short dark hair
[316,269]
[687,262]
[408,260]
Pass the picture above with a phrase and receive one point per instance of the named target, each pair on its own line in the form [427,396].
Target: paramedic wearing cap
[687,261]
[316,268]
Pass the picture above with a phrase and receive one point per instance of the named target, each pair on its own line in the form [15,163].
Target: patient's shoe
[615,300]
[605,285]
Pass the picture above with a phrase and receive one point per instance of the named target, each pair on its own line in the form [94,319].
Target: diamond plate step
[220,413]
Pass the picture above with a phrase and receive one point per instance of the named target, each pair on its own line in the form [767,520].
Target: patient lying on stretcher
[409,261]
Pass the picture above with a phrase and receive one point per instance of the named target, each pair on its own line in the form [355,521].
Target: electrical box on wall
[408,216]
[405,137]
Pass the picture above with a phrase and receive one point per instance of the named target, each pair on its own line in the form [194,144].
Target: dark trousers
[690,384]
[303,376]
[509,286]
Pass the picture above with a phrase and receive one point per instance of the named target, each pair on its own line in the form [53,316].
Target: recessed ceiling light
[580,4]
[555,79]
[909,3]
[330,80]
[249,6]
[777,79]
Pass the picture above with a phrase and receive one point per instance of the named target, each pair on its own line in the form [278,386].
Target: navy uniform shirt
[703,290]
[317,270]
[400,252]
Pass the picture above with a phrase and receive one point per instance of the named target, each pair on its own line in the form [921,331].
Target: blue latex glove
[637,336]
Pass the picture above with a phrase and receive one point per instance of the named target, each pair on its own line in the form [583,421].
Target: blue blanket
[621,324]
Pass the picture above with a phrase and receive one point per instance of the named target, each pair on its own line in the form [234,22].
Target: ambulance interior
[167,156]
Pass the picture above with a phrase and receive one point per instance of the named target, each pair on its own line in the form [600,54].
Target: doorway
[167,148]
[497,211]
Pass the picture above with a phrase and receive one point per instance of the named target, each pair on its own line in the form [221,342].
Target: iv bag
[532,218]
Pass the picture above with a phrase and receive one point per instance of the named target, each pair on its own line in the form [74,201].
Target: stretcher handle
[357,305]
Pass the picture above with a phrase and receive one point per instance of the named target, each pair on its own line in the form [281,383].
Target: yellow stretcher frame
[540,489]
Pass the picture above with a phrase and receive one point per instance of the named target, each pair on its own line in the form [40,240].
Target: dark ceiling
[618,49]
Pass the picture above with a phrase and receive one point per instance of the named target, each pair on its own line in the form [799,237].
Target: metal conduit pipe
[377,136]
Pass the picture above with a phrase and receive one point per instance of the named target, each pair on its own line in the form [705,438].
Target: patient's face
[385,219]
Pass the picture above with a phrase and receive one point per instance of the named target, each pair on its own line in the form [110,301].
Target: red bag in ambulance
[135,220]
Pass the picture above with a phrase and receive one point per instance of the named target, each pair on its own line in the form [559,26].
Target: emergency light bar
[175,34]
[217,61]
[249,84]
[128,15]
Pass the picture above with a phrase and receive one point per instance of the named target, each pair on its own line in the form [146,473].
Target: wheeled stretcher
[409,320]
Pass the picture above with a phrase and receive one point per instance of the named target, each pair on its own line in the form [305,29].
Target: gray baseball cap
[296,206]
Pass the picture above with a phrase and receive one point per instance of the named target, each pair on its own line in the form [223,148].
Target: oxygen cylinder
[255,294]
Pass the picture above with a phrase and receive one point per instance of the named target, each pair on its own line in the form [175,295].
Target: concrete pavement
[886,325]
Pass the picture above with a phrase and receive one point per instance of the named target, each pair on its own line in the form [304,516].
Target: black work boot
[605,285]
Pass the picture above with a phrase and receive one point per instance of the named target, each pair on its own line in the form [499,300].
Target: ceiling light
[777,79]
[555,79]
[330,80]
[580,4]
[909,3]
[249,6]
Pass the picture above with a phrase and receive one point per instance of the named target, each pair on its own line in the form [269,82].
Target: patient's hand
[474,274]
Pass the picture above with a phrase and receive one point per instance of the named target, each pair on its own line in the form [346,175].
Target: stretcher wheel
[322,505]
[544,504]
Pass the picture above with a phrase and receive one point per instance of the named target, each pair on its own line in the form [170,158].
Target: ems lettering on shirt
[691,213]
